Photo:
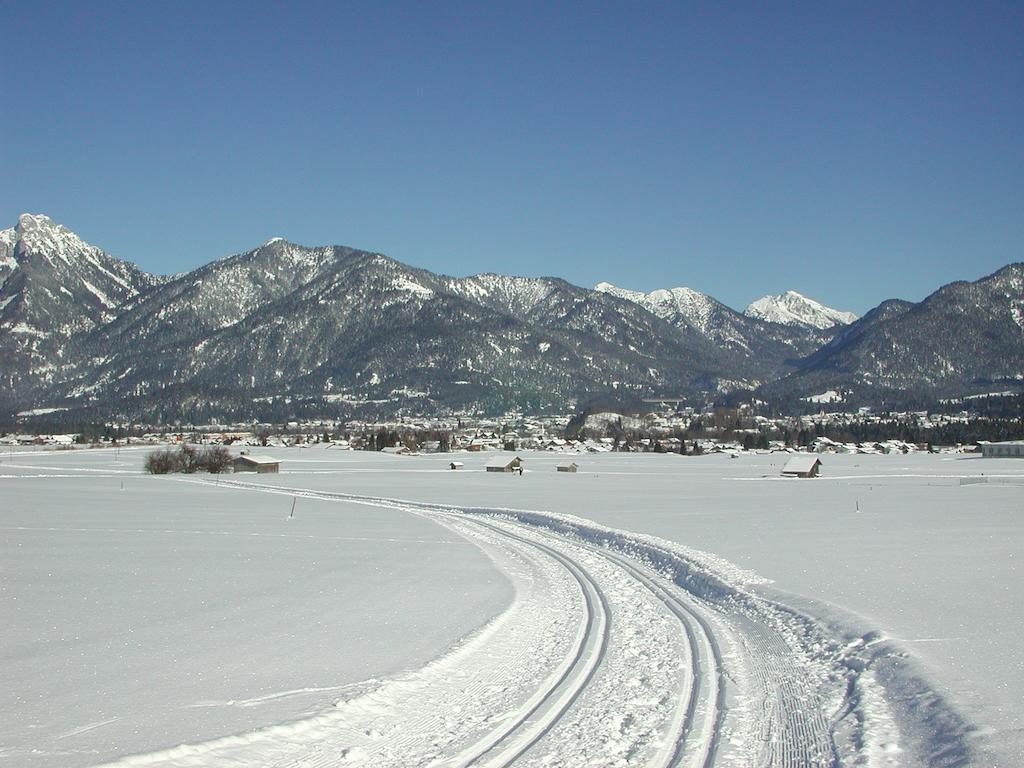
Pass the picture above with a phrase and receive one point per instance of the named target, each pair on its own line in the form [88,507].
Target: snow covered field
[166,612]
[181,611]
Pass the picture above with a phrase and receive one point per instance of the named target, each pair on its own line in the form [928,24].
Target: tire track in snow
[524,728]
[683,743]
[788,688]
[656,716]
[791,664]
[708,686]
[536,720]
[709,694]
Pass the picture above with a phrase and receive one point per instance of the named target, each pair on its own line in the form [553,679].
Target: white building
[1007,449]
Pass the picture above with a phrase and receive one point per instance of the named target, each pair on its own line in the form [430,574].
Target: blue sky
[853,151]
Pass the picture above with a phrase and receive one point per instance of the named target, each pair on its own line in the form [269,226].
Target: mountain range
[333,330]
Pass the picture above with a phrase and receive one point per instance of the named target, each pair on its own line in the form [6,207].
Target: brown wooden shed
[261,464]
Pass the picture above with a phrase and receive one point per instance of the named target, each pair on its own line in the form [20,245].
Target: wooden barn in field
[572,466]
[456,465]
[261,464]
[505,464]
[802,466]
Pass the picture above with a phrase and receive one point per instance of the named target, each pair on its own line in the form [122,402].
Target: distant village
[684,431]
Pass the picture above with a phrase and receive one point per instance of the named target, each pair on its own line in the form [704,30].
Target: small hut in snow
[504,464]
[802,466]
[456,465]
[261,464]
[572,466]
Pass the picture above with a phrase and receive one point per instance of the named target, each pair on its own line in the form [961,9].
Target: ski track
[618,650]
[537,718]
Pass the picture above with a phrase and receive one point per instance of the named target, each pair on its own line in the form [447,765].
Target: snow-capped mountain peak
[637,297]
[686,301]
[792,308]
[518,295]
[41,235]
[669,303]
[693,311]
[53,283]
[8,237]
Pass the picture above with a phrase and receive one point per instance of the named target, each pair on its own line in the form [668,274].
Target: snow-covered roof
[501,461]
[258,459]
[800,464]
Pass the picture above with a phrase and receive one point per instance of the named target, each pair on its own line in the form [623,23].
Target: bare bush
[163,462]
[189,459]
[215,459]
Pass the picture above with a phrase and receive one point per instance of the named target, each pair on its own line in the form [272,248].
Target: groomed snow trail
[618,650]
